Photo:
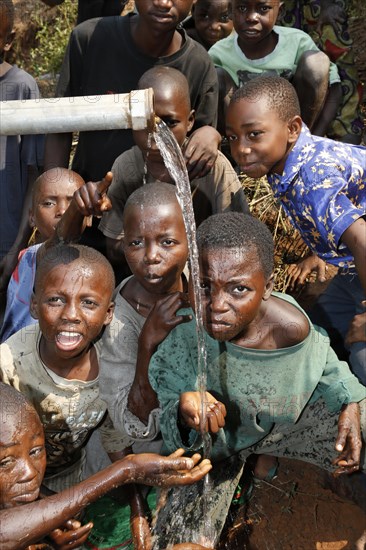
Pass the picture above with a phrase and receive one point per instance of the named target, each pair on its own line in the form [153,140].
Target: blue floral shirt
[323,191]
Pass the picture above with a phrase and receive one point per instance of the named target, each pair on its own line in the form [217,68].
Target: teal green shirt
[259,388]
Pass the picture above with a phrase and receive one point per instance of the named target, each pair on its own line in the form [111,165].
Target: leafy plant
[54,27]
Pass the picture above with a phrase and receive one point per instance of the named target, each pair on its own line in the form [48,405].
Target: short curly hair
[230,230]
[278,92]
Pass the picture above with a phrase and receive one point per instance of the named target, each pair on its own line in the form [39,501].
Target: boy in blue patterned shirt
[321,185]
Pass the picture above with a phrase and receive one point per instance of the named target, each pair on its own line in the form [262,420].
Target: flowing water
[176,166]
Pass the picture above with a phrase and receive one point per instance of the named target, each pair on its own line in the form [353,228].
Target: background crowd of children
[100,340]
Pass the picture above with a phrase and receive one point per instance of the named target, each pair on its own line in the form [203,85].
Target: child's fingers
[103,185]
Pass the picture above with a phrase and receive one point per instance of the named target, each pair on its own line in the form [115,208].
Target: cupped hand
[348,443]
[190,409]
[201,151]
[91,198]
[71,535]
[168,471]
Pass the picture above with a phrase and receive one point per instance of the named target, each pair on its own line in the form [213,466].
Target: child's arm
[190,411]
[31,522]
[161,320]
[328,111]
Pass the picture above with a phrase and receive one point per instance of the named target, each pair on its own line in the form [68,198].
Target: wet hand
[348,442]
[71,535]
[163,318]
[168,471]
[190,410]
[91,198]
[357,328]
[299,272]
[201,151]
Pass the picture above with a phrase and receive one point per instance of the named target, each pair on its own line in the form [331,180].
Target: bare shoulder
[290,324]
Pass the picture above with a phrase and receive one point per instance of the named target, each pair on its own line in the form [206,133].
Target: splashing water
[176,166]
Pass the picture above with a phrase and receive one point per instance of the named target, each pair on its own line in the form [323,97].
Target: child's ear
[9,41]
[294,128]
[269,287]
[32,223]
[109,314]
[191,119]
[33,306]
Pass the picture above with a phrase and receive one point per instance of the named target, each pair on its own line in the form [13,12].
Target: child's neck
[152,43]
[258,51]
[4,68]
[84,367]
[158,171]
[141,299]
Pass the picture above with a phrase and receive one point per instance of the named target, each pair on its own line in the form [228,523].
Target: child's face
[175,112]
[212,20]
[259,140]
[155,246]
[72,304]
[254,20]
[22,458]
[51,201]
[163,16]
[233,290]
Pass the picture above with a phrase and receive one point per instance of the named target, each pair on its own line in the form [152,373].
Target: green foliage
[54,27]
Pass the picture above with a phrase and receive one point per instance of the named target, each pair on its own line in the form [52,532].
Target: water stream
[176,166]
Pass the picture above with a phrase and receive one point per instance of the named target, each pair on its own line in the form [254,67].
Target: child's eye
[55,300]
[264,9]
[48,204]
[171,123]
[255,134]
[168,242]
[90,303]
[5,462]
[135,242]
[231,137]
[37,451]
[242,8]
[240,289]
[225,18]
[204,286]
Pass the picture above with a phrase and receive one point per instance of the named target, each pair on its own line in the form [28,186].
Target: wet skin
[212,20]
[52,199]
[253,21]
[22,458]
[174,109]
[234,294]
[259,140]
[72,304]
[155,246]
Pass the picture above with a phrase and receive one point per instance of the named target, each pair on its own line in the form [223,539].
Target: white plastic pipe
[70,114]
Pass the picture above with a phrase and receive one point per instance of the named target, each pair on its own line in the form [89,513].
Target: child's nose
[151,254]
[27,471]
[163,4]
[251,16]
[218,302]
[70,312]
[61,208]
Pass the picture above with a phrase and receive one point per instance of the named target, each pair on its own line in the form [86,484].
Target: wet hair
[166,78]
[56,175]
[7,6]
[152,194]
[278,92]
[13,404]
[230,230]
[65,254]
